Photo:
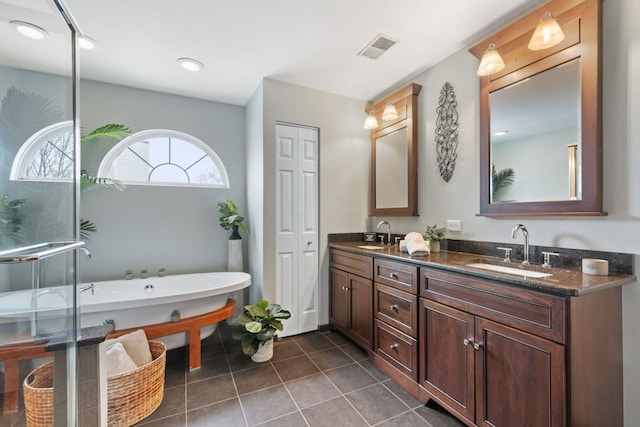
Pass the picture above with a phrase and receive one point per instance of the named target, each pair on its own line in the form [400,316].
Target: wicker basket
[38,396]
[132,396]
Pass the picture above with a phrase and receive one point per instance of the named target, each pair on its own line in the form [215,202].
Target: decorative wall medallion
[447,131]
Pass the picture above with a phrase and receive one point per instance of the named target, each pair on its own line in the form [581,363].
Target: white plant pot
[435,246]
[264,353]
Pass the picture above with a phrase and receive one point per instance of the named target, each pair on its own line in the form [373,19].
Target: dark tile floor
[315,379]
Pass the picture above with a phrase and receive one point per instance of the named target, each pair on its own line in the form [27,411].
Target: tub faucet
[388,230]
[90,287]
[86,251]
[525,233]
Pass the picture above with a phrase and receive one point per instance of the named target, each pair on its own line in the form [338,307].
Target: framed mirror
[394,161]
[540,118]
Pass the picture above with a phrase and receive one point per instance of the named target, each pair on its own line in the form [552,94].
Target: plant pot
[161,273]
[144,275]
[128,276]
[175,318]
[264,353]
[435,246]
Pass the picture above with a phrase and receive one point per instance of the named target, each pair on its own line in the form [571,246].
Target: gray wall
[151,227]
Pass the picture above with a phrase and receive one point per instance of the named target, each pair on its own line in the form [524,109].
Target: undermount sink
[509,270]
[371,247]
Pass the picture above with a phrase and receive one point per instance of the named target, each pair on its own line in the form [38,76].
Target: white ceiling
[312,43]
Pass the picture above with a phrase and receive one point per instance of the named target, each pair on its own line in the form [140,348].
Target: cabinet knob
[393,346]
[393,307]
[477,346]
[466,341]
[393,275]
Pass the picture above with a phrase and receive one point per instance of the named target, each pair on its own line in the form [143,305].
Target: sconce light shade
[390,112]
[370,122]
[547,34]
[491,61]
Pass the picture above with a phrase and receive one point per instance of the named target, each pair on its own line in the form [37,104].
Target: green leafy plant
[435,233]
[500,180]
[144,271]
[129,272]
[162,270]
[175,313]
[260,322]
[229,216]
[110,322]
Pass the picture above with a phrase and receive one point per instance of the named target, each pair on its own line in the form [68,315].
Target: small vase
[435,246]
[264,353]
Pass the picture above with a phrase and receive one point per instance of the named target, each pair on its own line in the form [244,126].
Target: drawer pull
[477,346]
[466,341]
[393,275]
[393,307]
[393,346]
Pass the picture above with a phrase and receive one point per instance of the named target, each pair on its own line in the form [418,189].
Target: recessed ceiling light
[29,30]
[190,64]
[86,42]
[500,133]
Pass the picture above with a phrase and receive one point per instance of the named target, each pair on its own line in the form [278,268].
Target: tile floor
[315,379]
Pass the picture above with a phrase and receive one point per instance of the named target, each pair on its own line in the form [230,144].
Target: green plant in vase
[435,235]
[229,216]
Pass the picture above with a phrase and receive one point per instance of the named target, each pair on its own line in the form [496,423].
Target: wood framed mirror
[394,159]
[550,102]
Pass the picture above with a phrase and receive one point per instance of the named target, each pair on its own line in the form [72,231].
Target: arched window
[164,157]
[47,155]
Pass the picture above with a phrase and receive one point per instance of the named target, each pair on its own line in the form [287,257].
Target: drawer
[397,308]
[361,265]
[535,312]
[397,348]
[398,275]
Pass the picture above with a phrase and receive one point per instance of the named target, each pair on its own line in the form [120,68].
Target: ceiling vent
[379,45]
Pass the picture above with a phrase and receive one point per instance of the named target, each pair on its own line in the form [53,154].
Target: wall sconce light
[491,61]
[371,122]
[390,112]
[547,34]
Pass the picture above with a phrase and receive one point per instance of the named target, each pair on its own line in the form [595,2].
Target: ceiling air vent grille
[379,45]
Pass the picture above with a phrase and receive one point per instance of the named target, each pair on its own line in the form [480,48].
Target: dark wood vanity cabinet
[491,353]
[351,293]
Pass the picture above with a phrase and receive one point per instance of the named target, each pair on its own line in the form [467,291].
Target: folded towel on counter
[136,345]
[416,245]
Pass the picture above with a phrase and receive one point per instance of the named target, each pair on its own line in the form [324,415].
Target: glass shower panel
[38,203]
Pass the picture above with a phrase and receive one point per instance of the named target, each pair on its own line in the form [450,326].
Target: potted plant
[161,272]
[229,216]
[128,274]
[175,316]
[435,235]
[144,273]
[260,322]
[110,322]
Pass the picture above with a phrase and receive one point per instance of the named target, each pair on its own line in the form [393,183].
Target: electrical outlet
[454,225]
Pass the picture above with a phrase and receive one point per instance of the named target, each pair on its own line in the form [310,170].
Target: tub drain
[149,289]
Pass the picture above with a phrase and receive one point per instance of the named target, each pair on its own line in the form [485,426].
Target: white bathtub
[140,302]
[130,303]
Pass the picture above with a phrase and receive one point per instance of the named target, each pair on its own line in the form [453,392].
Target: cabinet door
[339,307]
[361,298]
[447,356]
[520,378]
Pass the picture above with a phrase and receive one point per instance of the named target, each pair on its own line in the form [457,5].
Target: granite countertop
[563,281]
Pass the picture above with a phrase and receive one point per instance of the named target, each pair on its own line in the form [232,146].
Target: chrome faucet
[525,233]
[90,287]
[86,251]
[388,230]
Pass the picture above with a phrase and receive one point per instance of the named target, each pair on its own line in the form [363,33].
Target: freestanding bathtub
[140,302]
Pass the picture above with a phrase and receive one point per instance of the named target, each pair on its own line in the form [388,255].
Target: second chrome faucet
[525,233]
